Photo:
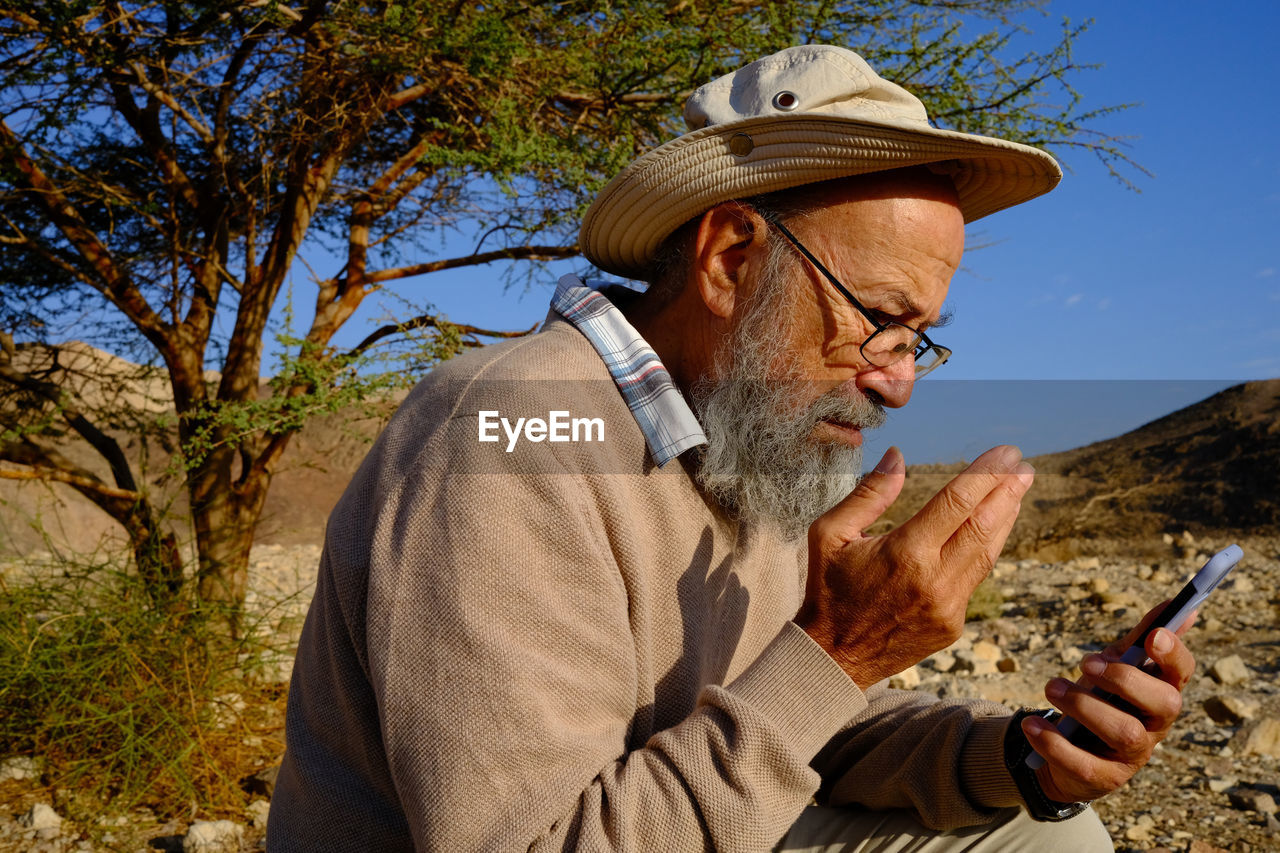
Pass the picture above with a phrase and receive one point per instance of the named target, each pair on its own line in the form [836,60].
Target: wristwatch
[1016,750]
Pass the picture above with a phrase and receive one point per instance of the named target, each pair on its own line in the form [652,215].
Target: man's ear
[729,235]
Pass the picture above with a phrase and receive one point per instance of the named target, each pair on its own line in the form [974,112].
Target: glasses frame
[924,345]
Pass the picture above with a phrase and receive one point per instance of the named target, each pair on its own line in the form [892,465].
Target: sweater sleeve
[908,749]
[501,655]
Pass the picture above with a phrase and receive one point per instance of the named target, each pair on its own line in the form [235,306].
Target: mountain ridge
[1210,468]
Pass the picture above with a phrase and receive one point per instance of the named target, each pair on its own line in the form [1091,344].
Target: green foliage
[124,700]
[358,385]
[528,108]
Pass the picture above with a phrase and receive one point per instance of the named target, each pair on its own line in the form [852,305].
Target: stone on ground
[1247,799]
[19,767]
[1264,739]
[257,812]
[1230,710]
[213,836]
[1230,670]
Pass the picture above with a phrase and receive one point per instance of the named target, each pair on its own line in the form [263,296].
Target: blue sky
[1179,281]
[1136,303]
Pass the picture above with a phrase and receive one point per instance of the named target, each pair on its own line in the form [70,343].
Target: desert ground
[1211,786]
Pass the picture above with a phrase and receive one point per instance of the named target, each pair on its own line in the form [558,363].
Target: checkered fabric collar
[669,425]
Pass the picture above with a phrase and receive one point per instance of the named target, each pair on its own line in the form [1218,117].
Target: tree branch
[365,211]
[112,282]
[400,191]
[402,164]
[595,102]
[81,482]
[157,145]
[164,97]
[307,180]
[226,89]
[48,254]
[19,16]
[533,253]
[106,446]
[287,11]
[155,552]
[1013,93]
[406,96]
[427,321]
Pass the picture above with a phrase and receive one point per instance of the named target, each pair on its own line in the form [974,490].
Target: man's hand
[1070,774]
[879,604]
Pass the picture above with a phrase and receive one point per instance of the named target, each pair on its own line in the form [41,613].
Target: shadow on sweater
[713,612]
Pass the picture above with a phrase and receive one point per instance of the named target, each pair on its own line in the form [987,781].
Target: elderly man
[621,637]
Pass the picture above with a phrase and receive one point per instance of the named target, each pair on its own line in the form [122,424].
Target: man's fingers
[997,543]
[1146,700]
[979,540]
[1125,735]
[867,502]
[1172,656]
[1084,775]
[1143,704]
[943,515]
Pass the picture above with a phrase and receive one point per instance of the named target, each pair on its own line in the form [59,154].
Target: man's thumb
[867,502]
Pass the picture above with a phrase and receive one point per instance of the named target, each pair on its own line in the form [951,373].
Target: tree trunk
[155,552]
[225,514]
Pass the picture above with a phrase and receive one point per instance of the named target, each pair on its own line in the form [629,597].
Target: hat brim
[689,175]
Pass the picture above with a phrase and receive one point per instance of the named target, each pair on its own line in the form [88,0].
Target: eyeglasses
[890,342]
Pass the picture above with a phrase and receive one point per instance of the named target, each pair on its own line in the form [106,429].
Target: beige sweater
[565,647]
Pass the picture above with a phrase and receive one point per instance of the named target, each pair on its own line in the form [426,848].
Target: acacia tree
[163,164]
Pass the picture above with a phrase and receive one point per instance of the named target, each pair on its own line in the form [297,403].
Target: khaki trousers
[843,830]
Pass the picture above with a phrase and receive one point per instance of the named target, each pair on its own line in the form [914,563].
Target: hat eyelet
[741,145]
[785,101]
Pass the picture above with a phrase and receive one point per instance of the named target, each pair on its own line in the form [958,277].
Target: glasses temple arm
[772,219]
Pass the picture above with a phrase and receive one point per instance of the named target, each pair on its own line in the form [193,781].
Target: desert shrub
[125,701]
[985,603]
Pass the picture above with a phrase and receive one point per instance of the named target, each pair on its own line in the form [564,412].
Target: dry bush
[127,703]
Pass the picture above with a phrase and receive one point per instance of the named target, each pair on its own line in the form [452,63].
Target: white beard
[761,461]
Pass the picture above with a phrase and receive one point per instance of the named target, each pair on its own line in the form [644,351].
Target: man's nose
[892,384]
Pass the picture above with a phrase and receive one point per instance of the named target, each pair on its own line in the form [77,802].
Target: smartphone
[1173,616]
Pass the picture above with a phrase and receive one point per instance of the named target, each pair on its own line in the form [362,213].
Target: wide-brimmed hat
[802,115]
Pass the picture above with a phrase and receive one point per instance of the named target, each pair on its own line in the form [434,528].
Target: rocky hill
[1212,468]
